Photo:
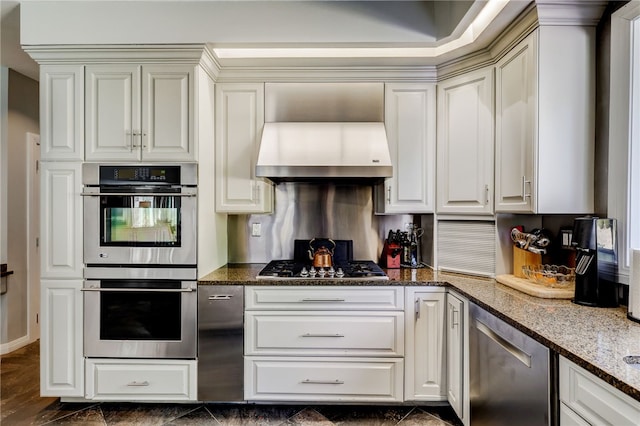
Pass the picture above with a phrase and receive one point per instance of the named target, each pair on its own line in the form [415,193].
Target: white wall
[22,117]
[92,22]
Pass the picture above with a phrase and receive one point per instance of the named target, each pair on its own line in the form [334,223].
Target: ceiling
[335,31]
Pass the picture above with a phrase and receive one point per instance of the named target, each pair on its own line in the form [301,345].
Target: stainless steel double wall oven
[140,290]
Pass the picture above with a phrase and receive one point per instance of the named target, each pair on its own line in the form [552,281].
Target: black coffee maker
[596,262]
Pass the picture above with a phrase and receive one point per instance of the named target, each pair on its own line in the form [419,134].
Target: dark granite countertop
[597,339]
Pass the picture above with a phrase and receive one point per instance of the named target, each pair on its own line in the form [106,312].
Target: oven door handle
[136,194]
[143,290]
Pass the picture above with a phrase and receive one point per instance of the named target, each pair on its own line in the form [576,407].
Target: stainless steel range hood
[324,131]
[296,151]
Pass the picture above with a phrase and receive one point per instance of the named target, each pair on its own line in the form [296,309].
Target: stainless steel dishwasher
[220,343]
[510,376]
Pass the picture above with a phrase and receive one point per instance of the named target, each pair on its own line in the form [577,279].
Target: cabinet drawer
[594,400]
[569,418]
[323,379]
[325,298]
[324,333]
[140,380]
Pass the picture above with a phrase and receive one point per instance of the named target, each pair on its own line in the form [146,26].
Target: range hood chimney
[324,132]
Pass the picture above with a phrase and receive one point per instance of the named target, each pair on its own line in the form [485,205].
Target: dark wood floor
[21,404]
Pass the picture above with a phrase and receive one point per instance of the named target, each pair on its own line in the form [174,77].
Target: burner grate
[290,269]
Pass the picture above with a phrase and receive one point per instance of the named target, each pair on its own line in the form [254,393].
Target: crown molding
[423,73]
[102,53]
[570,12]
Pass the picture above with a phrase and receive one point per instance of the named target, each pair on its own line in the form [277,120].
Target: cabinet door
[455,358]
[410,120]
[61,360]
[425,349]
[239,122]
[515,128]
[465,144]
[61,220]
[112,115]
[167,113]
[62,112]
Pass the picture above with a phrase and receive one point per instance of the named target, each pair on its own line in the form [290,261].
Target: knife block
[390,258]
[524,257]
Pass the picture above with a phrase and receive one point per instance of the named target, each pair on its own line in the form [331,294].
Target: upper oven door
[139,225]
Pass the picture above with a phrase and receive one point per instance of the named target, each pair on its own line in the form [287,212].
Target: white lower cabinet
[568,417]
[457,355]
[141,380]
[324,344]
[325,333]
[61,358]
[323,379]
[425,362]
[588,400]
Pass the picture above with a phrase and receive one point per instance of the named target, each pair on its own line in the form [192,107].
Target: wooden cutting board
[536,290]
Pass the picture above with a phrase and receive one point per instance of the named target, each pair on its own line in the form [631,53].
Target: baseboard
[11,346]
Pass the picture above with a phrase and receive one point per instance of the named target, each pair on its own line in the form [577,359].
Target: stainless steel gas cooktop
[343,267]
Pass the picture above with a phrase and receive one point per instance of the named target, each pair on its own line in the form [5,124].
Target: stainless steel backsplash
[305,211]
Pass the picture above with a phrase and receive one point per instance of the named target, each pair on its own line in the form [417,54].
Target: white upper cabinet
[61,112]
[239,122]
[465,144]
[545,112]
[139,113]
[410,121]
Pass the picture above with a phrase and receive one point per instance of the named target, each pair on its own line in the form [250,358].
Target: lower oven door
[140,318]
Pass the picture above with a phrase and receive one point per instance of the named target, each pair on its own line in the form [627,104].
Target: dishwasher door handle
[519,354]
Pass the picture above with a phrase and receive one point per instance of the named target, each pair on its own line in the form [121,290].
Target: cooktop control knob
[312,272]
[304,272]
[322,272]
[339,273]
[331,272]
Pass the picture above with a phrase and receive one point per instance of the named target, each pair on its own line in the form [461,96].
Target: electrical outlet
[256,229]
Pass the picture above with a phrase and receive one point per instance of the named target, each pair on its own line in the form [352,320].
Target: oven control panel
[114,175]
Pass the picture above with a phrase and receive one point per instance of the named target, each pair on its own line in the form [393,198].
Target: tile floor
[21,404]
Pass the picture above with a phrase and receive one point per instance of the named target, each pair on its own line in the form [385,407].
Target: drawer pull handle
[330,299]
[322,382]
[221,297]
[322,335]
[134,383]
